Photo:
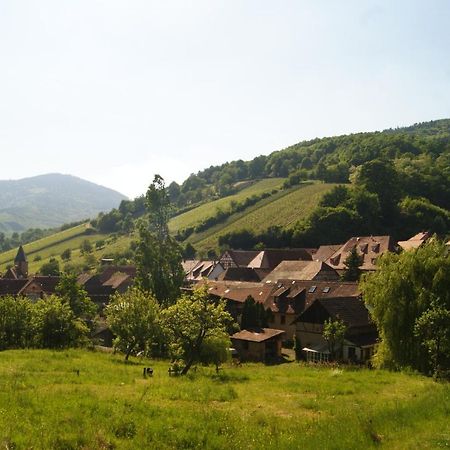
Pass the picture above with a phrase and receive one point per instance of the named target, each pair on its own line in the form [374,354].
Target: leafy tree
[352,265]
[66,254]
[158,255]
[51,268]
[404,288]
[381,178]
[191,322]
[76,297]
[433,330]
[133,318]
[189,251]
[55,325]
[15,322]
[86,247]
[215,350]
[334,333]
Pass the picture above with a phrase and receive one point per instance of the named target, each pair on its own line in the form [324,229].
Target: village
[298,289]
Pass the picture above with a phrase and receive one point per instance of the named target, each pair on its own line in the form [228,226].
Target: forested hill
[394,182]
[51,200]
[422,149]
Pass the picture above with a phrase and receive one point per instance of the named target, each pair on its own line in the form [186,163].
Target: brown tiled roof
[47,283]
[239,291]
[369,247]
[257,334]
[11,286]
[241,258]
[325,251]
[111,270]
[189,264]
[117,280]
[301,270]
[416,241]
[242,274]
[270,258]
[349,309]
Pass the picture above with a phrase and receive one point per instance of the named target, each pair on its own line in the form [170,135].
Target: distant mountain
[47,201]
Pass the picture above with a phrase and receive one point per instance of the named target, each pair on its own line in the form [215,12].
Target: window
[326,290]
[282,320]
[312,289]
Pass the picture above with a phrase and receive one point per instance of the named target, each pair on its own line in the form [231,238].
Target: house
[368,247]
[204,269]
[290,298]
[302,270]
[416,241]
[34,287]
[285,299]
[237,258]
[265,259]
[100,287]
[262,344]
[360,337]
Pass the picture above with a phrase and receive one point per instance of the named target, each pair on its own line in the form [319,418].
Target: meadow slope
[45,404]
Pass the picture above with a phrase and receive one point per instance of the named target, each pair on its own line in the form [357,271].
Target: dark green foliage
[55,325]
[76,297]
[405,291]
[352,266]
[15,322]
[66,254]
[433,330]
[253,315]
[189,251]
[51,268]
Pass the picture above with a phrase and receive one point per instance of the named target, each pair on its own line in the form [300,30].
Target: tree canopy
[402,296]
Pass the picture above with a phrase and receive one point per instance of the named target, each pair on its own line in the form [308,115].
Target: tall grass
[44,404]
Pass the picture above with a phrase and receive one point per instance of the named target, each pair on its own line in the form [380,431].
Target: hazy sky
[115,91]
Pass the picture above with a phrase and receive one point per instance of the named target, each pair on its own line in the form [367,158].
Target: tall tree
[334,333]
[399,293]
[352,265]
[133,318]
[192,322]
[158,255]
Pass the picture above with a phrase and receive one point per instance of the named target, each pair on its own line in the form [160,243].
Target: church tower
[21,263]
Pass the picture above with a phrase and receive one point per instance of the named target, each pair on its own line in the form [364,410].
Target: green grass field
[196,215]
[44,404]
[283,209]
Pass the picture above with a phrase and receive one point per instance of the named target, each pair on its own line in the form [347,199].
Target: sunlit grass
[45,404]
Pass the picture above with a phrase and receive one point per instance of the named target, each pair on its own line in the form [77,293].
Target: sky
[116,91]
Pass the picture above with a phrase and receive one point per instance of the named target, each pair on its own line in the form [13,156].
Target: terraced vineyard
[196,215]
[283,209]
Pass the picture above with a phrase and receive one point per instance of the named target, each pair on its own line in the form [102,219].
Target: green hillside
[46,404]
[196,215]
[282,209]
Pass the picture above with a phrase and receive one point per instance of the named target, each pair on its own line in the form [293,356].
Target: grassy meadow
[45,404]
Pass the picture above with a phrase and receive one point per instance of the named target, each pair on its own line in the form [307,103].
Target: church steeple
[21,263]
